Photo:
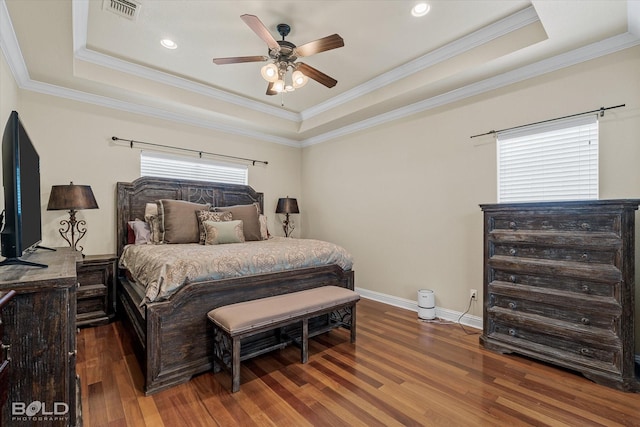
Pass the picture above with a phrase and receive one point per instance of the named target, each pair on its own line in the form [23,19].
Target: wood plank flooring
[401,372]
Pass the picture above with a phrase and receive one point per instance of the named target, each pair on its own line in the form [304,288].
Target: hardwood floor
[401,371]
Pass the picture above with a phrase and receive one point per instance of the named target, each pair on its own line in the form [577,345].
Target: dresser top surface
[565,204]
[61,264]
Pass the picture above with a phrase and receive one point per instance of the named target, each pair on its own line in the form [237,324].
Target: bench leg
[304,348]
[235,366]
[353,323]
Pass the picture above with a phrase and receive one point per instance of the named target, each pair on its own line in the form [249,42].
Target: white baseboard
[442,313]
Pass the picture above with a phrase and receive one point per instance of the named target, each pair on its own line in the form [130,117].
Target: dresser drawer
[578,312]
[560,221]
[550,344]
[96,290]
[576,254]
[566,269]
[584,287]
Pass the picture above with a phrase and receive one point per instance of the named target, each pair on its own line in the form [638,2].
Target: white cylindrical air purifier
[426,304]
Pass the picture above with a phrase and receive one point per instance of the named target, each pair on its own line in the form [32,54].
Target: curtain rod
[600,110]
[199,152]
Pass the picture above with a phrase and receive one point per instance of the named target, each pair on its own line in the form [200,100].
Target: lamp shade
[71,197]
[287,205]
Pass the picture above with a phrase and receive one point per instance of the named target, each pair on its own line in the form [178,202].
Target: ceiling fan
[284,55]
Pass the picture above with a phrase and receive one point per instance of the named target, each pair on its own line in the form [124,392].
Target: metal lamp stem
[72,226]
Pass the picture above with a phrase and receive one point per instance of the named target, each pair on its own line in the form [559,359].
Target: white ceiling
[392,64]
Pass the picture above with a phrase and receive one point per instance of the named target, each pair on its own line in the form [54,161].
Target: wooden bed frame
[172,339]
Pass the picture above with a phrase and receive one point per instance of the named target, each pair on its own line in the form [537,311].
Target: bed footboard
[174,338]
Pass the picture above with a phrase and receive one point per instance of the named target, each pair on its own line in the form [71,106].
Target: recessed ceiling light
[420,9]
[169,44]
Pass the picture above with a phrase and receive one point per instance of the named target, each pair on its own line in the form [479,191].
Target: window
[173,166]
[550,161]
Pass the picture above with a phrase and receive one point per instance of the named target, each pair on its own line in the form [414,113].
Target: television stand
[20,261]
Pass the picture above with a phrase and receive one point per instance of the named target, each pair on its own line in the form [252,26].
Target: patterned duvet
[162,269]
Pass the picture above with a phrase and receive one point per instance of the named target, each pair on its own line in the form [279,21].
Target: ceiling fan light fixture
[299,79]
[270,72]
[278,86]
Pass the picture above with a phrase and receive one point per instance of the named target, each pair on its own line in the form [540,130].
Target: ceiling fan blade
[239,59]
[270,90]
[258,27]
[326,43]
[316,75]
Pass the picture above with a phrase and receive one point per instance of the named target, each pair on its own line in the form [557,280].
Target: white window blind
[173,166]
[551,161]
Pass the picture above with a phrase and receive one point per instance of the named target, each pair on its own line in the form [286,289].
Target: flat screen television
[22,229]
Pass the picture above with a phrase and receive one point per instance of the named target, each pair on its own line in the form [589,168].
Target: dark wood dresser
[5,352]
[40,327]
[559,285]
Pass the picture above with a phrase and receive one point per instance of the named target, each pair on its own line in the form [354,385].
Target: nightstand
[96,294]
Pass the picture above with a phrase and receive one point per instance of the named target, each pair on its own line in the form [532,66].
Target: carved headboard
[132,197]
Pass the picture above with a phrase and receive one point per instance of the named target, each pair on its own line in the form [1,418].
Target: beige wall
[8,103]
[403,198]
[74,143]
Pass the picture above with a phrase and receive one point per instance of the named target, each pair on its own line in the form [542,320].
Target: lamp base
[71,227]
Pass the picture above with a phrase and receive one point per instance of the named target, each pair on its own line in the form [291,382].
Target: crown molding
[577,56]
[471,41]
[146,110]
[11,48]
[80,13]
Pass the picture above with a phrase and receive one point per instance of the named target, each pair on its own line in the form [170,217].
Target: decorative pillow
[178,222]
[131,237]
[248,214]
[218,233]
[264,231]
[151,209]
[211,216]
[154,226]
[151,217]
[141,231]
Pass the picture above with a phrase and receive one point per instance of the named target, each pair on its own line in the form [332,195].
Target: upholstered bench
[235,322]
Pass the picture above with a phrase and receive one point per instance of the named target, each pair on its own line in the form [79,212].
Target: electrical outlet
[473,293]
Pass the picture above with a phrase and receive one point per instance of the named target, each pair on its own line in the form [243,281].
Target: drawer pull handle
[585,321]
[6,351]
[585,288]
[585,351]
[512,251]
[512,332]
[585,256]
[513,225]
[585,226]
[512,278]
[512,305]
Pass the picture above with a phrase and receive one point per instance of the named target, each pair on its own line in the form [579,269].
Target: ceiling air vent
[126,8]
